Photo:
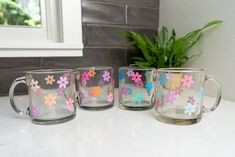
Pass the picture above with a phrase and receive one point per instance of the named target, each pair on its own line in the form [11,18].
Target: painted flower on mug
[170,97]
[140,84]
[147,75]
[149,86]
[34,111]
[191,100]
[97,91]
[162,79]
[81,97]
[84,83]
[50,100]
[136,77]
[125,90]
[110,97]
[85,76]
[178,90]
[130,72]
[121,75]
[63,82]
[130,91]
[189,109]
[201,92]
[49,79]
[187,81]
[139,97]
[91,73]
[169,76]
[38,91]
[60,91]
[158,103]
[70,104]
[106,76]
[34,85]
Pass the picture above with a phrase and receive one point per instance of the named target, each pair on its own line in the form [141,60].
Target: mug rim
[136,68]
[180,70]
[49,71]
[94,68]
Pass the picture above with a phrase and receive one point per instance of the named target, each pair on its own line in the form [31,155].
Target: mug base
[135,108]
[54,121]
[92,108]
[178,121]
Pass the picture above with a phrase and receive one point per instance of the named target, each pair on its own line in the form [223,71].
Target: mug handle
[11,95]
[218,95]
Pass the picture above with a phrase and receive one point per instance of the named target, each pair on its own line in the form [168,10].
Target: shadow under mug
[179,95]
[51,95]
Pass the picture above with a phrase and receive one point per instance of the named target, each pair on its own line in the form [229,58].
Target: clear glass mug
[179,95]
[95,87]
[51,95]
[136,88]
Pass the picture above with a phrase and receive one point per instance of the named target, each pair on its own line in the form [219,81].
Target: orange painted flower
[50,79]
[49,100]
[97,91]
[91,73]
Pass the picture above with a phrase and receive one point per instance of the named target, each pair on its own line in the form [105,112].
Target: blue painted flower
[189,109]
[138,97]
[162,79]
[201,92]
[121,75]
[149,86]
[130,90]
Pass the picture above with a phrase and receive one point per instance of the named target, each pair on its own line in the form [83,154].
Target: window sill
[42,49]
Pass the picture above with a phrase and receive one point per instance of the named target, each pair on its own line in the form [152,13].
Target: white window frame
[63,35]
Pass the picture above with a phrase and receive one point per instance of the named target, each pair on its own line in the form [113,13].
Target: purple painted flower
[60,91]
[130,73]
[34,111]
[106,76]
[63,82]
[124,91]
[191,100]
[170,97]
[100,83]
[81,97]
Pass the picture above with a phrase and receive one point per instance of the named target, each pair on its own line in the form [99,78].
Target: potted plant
[166,50]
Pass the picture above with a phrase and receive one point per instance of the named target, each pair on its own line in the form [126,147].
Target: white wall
[218,44]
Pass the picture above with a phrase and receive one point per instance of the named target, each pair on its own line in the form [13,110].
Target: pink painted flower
[170,97]
[85,76]
[178,91]
[110,97]
[158,103]
[90,92]
[136,77]
[38,90]
[106,76]
[140,84]
[63,82]
[187,81]
[84,83]
[70,104]
[130,73]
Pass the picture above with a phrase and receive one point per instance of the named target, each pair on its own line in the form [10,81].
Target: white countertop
[117,133]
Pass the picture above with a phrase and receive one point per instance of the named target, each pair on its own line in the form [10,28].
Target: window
[40,28]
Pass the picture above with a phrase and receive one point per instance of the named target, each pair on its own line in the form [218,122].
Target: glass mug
[95,87]
[136,88]
[179,95]
[51,95]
